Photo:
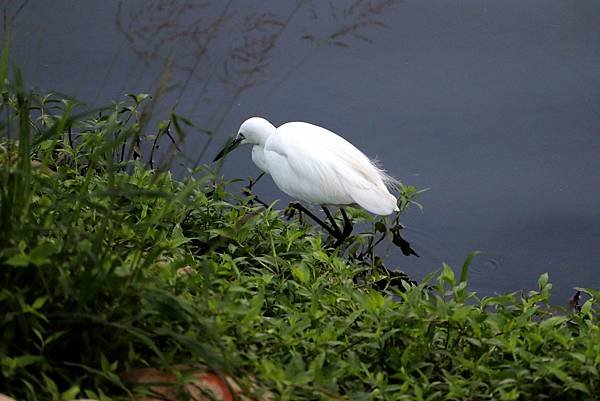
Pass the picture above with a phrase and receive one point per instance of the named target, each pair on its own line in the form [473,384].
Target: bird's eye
[241,136]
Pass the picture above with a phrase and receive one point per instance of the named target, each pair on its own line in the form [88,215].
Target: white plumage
[315,165]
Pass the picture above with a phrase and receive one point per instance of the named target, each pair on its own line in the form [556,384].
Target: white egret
[312,164]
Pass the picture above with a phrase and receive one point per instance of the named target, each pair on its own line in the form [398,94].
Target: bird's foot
[290,211]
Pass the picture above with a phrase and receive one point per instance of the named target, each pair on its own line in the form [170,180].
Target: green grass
[108,265]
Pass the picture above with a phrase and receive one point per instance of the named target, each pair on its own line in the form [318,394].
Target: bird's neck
[264,133]
[258,157]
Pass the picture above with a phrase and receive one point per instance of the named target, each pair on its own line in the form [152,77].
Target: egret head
[254,131]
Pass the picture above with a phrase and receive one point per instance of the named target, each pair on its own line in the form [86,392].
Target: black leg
[332,221]
[347,224]
[346,231]
[301,208]
[334,230]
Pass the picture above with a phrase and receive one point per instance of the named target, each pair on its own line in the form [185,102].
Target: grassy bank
[108,264]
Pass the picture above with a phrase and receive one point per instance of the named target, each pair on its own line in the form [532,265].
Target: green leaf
[39,302]
[553,321]
[461,312]
[19,260]
[177,237]
[71,393]
[464,271]
[374,301]
[586,308]
[301,273]
[40,255]
[51,387]
[543,281]
[11,365]
[447,275]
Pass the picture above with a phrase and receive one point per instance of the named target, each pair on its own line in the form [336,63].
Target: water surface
[493,106]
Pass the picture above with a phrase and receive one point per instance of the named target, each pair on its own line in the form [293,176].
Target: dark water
[494,106]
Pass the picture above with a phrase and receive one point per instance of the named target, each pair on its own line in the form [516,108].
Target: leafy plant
[108,265]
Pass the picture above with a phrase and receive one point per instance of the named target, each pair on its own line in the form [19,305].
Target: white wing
[314,164]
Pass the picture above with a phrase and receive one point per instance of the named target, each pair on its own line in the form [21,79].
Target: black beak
[231,144]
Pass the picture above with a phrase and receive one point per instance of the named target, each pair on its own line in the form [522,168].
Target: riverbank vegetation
[109,264]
